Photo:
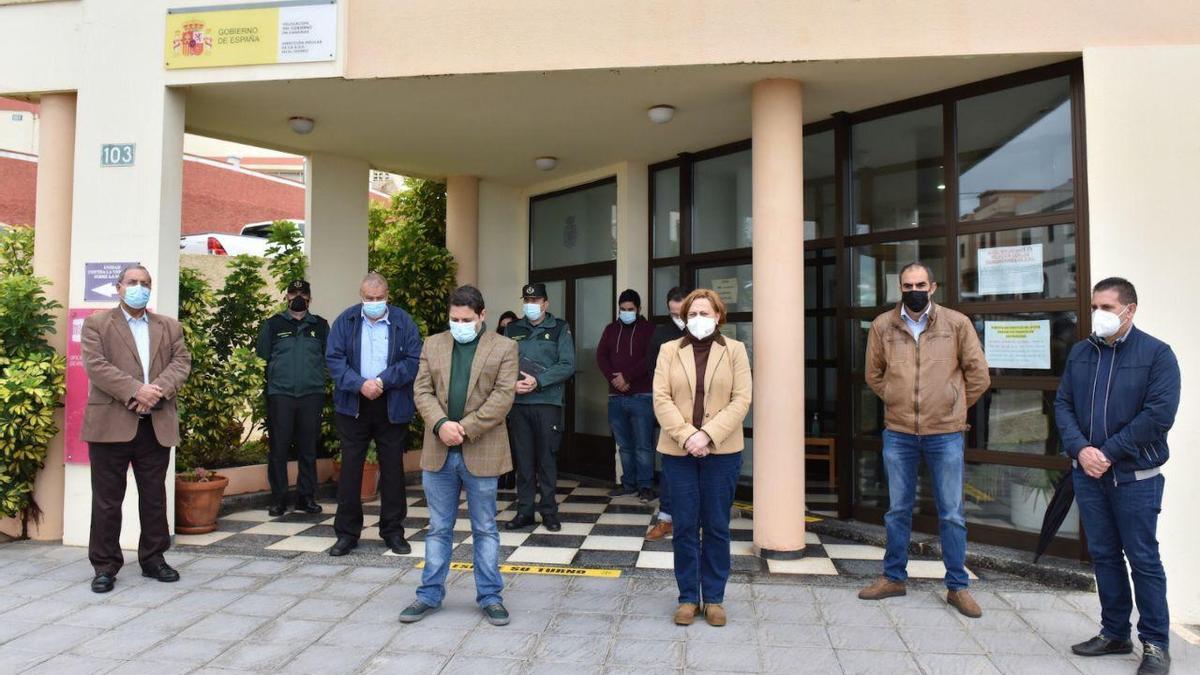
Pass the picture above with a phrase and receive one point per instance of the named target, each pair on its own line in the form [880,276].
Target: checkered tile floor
[597,531]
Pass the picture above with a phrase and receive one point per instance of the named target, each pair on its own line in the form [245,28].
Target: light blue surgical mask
[627,317]
[533,310]
[464,332]
[375,309]
[137,296]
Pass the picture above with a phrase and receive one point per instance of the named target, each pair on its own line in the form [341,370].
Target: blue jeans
[1121,522]
[632,420]
[441,492]
[703,490]
[943,454]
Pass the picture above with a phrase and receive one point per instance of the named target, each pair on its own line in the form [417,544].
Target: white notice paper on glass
[1017,344]
[1009,270]
[727,289]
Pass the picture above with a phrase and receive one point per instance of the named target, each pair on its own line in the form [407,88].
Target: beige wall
[336,231]
[1143,147]
[465,36]
[503,248]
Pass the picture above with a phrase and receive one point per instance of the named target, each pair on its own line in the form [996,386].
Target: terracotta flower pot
[337,471]
[370,481]
[197,504]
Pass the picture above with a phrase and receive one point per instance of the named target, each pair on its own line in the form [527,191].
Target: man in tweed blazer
[465,386]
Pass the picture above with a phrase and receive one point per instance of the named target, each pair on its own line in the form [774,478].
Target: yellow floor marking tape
[539,569]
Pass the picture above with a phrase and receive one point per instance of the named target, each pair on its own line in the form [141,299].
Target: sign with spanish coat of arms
[284,31]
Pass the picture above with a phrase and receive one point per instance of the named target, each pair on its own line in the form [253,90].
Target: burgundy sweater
[622,349]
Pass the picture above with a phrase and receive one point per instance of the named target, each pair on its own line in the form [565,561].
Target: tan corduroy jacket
[727,392]
[114,371]
[490,393]
[926,386]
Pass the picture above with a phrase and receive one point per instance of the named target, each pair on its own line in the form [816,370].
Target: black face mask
[916,301]
[298,304]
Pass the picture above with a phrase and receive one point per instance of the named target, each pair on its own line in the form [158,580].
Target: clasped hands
[620,383]
[452,433]
[1093,462]
[698,444]
[148,396]
[372,389]
[527,383]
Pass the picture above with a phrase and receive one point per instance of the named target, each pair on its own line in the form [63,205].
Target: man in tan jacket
[925,362]
[465,387]
[136,362]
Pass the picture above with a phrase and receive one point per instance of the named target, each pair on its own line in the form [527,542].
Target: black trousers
[293,420]
[356,434]
[110,464]
[535,432]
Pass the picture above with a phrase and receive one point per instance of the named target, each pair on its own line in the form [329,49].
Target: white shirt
[140,327]
[917,326]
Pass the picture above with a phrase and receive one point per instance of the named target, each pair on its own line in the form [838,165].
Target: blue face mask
[463,332]
[375,310]
[533,311]
[627,317]
[137,296]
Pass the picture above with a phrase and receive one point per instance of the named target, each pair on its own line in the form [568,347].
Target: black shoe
[164,573]
[496,615]
[277,510]
[1102,646]
[416,611]
[520,522]
[646,495]
[621,491]
[103,583]
[398,545]
[1155,660]
[309,505]
[343,546]
[551,522]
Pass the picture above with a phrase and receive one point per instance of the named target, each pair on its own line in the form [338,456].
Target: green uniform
[551,347]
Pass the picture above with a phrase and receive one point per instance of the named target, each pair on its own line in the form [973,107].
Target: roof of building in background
[18,187]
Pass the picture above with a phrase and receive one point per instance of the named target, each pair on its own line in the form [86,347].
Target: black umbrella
[1056,512]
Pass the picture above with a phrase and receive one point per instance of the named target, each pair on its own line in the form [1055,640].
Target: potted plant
[370,478]
[198,500]
[1030,494]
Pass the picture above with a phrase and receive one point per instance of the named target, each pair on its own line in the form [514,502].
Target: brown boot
[714,614]
[964,603]
[686,614]
[660,531]
[883,588]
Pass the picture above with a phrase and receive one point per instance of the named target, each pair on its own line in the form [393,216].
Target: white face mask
[701,326]
[1105,324]
[679,323]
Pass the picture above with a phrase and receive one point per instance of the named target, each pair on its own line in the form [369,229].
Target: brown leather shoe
[714,614]
[964,603]
[660,531]
[686,614]
[883,587]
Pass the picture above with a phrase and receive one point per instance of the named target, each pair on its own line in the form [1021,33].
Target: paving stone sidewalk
[233,613]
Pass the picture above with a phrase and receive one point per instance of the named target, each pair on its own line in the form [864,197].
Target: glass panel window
[743,331]
[734,283]
[665,278]
[721,213]
[868,410]
[875,269]
[898,174]
[1033,343]
[1014,152]
[820,189]
[666,212]
[1015,420]
[574,228]
[593,303]
[1035,263]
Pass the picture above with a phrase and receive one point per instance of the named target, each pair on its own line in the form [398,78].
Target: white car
[252,241]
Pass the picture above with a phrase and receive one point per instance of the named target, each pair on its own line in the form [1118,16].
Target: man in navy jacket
[373,354]
[1116,402]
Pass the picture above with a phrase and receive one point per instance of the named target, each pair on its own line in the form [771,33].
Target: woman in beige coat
[702,390]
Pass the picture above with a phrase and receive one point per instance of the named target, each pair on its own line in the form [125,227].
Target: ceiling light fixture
[661,114]
[545,163]
[301,125]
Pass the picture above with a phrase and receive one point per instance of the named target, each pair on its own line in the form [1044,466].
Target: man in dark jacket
[621,355]
[1116,402]
[674,329]
[293,344]
[373,355]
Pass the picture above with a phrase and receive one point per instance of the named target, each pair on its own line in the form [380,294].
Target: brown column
[462,226]
[778,189]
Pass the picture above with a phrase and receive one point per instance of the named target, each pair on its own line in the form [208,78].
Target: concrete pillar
[335,206]
[777,132]
[52,260]
[633,231]
[125,214]
[462,226]
[503,267]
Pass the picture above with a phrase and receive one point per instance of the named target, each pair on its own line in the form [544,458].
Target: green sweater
[461,359]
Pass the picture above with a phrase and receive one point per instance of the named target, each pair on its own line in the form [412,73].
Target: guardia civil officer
[547,361]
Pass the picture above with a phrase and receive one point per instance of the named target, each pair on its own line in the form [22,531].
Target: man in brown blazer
[136,362]
[465,386]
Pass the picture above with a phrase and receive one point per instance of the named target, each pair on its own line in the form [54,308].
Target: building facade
[1022,149]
